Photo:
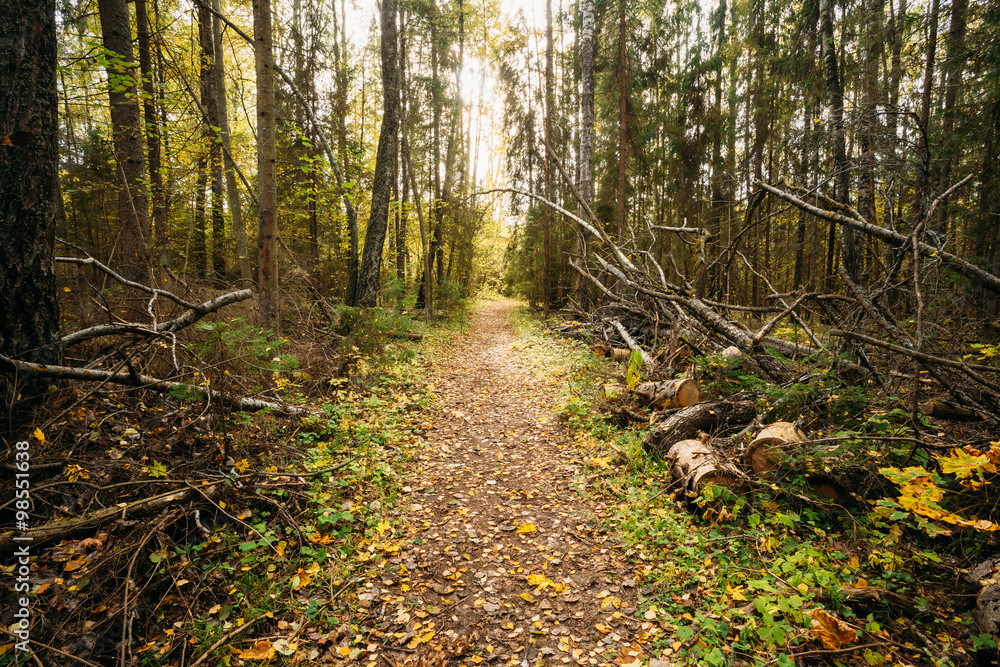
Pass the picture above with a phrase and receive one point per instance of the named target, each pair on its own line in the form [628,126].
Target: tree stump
[695,464]
[689,421]
[668,394]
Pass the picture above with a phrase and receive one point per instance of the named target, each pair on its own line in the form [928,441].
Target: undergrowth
[775,574]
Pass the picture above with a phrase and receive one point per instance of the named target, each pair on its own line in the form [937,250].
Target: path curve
[504,557]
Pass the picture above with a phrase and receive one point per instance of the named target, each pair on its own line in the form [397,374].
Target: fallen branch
[145,382]
[191,316]
[90,261]
[61,529]
[920,356]
[967,269]
[646,359]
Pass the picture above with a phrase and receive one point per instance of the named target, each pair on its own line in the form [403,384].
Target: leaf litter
[500,562]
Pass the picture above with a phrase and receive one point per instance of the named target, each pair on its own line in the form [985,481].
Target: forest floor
[504,558]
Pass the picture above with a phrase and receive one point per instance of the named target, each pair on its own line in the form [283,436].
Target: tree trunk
[668,394]
[28,178]
[267,210]
[232,191]
[954,66]
[922,184]
[621,72]
[771,445]
[547,211]
[160,231]
[127,138]
[210,103]
[696,466]
[385,163]
[586,156]
[850,246]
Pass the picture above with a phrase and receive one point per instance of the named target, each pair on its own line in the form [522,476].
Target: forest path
[503,555]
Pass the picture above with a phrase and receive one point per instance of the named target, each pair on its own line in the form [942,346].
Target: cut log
[601,349]
[696,465]
[689,421]
[732,351]
[668,394]
[620,354]
[950,411]
[766,451]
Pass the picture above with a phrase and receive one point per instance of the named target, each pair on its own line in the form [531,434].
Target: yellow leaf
[527,597]
[611,601]
[382,526]
[735,593]
[526,528]
[39,435]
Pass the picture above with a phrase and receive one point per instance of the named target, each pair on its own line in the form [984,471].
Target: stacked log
[668,394]
[766,451]
[696,465]
[689,421]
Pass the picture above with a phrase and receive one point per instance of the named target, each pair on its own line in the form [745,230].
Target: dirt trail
[504,557]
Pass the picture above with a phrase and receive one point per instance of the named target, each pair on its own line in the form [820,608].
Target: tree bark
[621,72]
[267,210]
[29,149]
[385,162]
[954,67]
[922,184]
[127,137]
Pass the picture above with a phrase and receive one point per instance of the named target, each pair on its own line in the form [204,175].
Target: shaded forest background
[693,103]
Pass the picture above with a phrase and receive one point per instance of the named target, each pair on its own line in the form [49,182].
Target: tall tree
[922,184]
[133,206]
[586,154]
[151,118]
[550,103]
[621,72]
[385,162]
[210,131]
[954,68]
[29,151]
[267,208]
[232,192]
[849,243]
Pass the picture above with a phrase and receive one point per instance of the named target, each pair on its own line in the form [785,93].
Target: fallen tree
[133,379]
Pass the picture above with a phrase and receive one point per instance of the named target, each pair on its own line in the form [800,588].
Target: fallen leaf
[262,650]
[832,632]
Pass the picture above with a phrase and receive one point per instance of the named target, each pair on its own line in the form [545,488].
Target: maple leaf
[526,528]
